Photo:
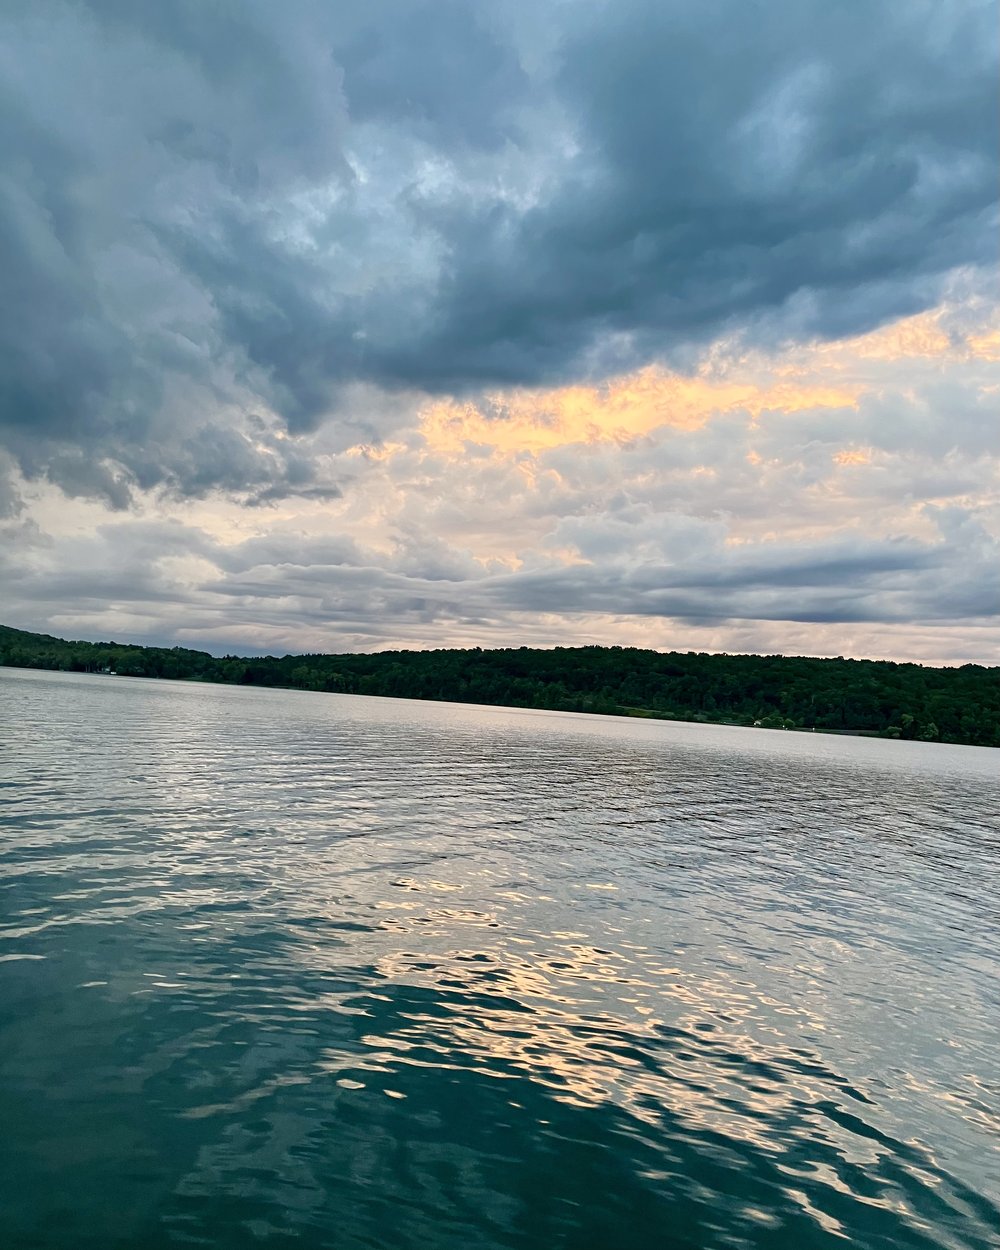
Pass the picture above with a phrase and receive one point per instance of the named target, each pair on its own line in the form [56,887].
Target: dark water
[292,970]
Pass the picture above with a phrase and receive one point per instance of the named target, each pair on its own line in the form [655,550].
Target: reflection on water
[285,969]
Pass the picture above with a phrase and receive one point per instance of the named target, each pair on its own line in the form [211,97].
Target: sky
[669,323]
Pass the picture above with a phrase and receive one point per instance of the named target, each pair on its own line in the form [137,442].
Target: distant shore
[859,698]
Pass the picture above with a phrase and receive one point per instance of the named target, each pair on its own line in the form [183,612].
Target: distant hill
[781,692]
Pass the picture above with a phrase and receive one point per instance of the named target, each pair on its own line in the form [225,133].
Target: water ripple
[285,969]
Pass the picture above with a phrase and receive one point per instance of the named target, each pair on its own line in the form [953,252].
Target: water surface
[282,969]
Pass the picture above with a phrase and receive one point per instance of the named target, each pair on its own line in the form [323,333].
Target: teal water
[292,970]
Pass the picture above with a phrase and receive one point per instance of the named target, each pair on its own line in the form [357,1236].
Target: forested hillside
[857,696]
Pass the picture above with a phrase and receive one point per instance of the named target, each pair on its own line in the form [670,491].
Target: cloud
[223,226]
[788,170]
[592,578]
[125,126]
[435,323]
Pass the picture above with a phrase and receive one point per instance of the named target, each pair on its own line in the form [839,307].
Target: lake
[283,969]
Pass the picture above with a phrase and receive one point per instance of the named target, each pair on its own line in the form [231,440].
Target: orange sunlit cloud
[853,455]
[926,336]
[823,375]
[985,346]
[624,408]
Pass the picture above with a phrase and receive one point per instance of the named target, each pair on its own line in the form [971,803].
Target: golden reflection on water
[528,1018]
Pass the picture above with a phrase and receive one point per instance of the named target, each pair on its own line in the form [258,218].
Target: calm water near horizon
[283,969]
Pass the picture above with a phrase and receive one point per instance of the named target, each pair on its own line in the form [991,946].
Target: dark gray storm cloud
[218,220]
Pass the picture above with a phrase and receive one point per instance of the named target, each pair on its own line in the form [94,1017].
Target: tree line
[875,697]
